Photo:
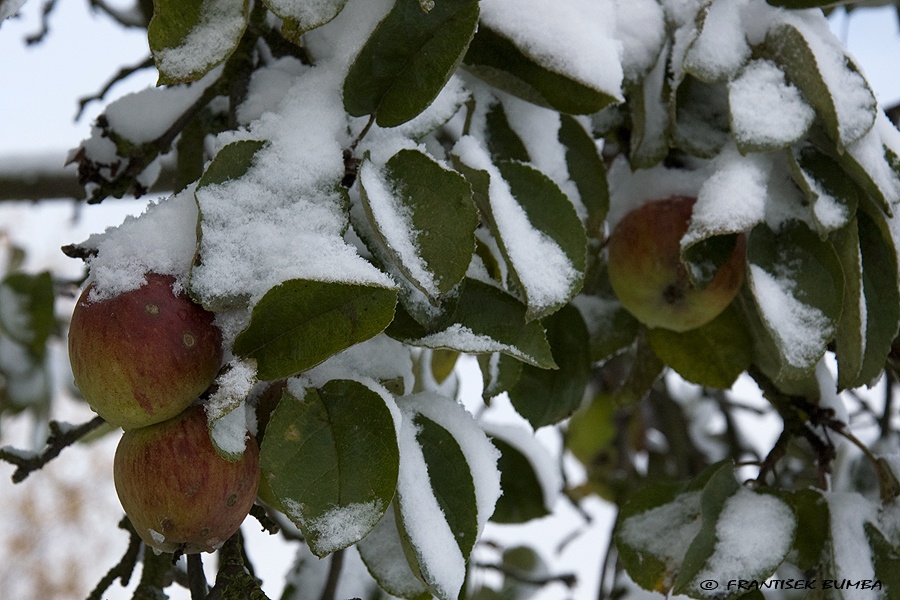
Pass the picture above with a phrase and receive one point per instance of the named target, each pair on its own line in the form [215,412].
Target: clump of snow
[766,110]
[459,337]
[338,527]
[230,431]
[231,387]
[721,48]
[665,532]
[641,29]
[221,25]
[268,87]
[394,222]
[754,533]
[126,253]
[542,267]
[869,152]
[572,37]
[379,358]
[799,328]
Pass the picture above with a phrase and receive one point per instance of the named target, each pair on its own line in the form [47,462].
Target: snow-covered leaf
[502,141]
[650,119]
[300,323]
[720,48]
[545,396]
[424,215]
[701,125]
[447,488]
[528,49]
[304,16]
[499,373]
[712,355]
[830,192]
[534,223]
[872,161]
[485,319]
[797,282]
[850,337]
[766,112]
[408,59]
[744,535]
[885,559]
[815,62]
[330,457]
[188,38]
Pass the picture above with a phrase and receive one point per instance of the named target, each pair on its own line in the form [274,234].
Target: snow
[765,110]
[378,359]
[339,527]
[268,87]
[211,40]
[852,554]
[540,264]
[394,221]
[128,252]
[641,29]
[869,152]
[721,48]
[572,37]
[754,533]
[799,328]
[666,531]
[544,466]
[229,432]
[382,552]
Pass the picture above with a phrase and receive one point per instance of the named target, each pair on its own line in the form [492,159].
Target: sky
[41,85]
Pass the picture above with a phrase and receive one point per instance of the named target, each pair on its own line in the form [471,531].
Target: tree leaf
[798,285]
[497,60]
[384,556]
[701,124]
[849,340]
[712,355]
[547,396]
[885,559]
[305,16]
[408,59]
[26,310]
[424,216]
[331,459]
[299,323]
[833,196]
[502,141]
[828,79]
[231,162]
[499,373]
[811,539]
[190,37]
[486,320]
[588,171]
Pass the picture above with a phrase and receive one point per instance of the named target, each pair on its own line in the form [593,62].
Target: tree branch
[61,435]
[125,568]
[569,579]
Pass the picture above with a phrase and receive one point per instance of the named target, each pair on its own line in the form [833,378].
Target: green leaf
[424,216]
[497,60]
[486,320]
[232,162]
[305,16]
[610,326]
[300,323]
[383,554]
[811,538]
[523,494]
[547,396]
[331,459]
[650,118]
[190,37]
[408,59]
[798,286]
[588,171]
[881,291]
[713,355]
[832,196]
[809,61]
[702,124]
[26,310]
[885,559]
[499,373]
[502,141]
[849,340]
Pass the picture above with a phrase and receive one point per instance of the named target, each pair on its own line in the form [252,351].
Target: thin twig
[122,74]
[334,576]
[125,568]
[38,37]
[60,437]
[568,579]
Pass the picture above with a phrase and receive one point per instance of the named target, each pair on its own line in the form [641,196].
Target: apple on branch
[651,281]
[145,355]
[178,492]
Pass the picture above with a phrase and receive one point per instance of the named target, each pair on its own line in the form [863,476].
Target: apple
[649,278]
[179,494]
[145,355]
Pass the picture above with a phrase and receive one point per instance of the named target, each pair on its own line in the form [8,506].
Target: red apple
[651,281]
[143,356]
[179,494]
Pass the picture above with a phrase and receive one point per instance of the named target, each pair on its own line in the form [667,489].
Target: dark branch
[268,524]
[334,576]
[125,569]
[60,437]
[569,579]
[38,37]
[196,577]
[233,579]
[122,74]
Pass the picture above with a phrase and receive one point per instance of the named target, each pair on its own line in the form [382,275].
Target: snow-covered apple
[649,277]
[143,356]
[179,494]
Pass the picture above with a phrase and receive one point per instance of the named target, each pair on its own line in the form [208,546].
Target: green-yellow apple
[649,277]
[179,494]
[145,355]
